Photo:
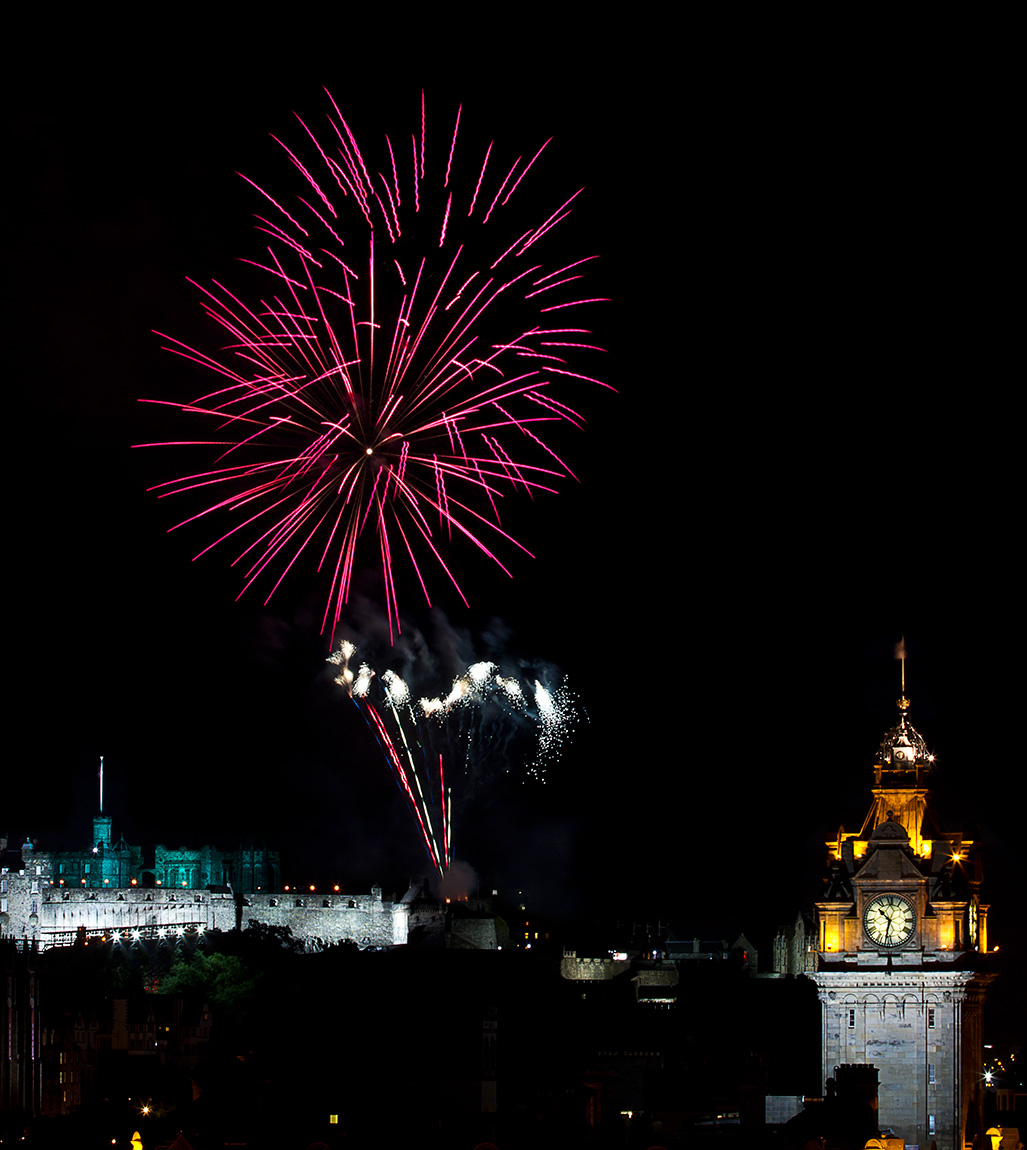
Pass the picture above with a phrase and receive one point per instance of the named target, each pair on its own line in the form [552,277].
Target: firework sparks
[462,738]
[405,371]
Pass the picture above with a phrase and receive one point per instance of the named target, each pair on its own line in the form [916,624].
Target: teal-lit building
[113,865]
[104,864]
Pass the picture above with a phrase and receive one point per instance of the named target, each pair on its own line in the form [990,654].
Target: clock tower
[901,945]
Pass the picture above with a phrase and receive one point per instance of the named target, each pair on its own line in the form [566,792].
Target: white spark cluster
[549,708]
[396,690]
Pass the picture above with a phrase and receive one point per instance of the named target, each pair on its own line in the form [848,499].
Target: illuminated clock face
[889,920]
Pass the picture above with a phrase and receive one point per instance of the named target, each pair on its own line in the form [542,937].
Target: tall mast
[101,784]
[900,654]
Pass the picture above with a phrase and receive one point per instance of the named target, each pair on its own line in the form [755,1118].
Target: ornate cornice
[957,985]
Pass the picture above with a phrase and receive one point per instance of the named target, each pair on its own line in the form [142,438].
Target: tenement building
[900,953]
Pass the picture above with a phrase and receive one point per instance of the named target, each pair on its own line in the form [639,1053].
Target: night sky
[811,453]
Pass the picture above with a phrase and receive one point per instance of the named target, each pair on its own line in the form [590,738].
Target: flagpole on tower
[101,784]
[900,654]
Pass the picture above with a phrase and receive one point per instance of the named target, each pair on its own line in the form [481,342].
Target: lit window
[930,1074]
[930,1124]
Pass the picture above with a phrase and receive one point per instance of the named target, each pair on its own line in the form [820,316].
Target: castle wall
[591,969]
[364,919]
[36,910]
[56,914]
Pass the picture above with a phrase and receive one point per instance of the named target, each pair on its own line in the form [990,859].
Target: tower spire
[101,784]
[900,654]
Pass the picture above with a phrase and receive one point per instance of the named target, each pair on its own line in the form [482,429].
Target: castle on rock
[50,898]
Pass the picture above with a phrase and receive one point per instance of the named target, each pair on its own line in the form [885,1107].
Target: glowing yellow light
[368,451]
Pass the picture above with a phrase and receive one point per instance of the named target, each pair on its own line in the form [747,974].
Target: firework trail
[406,369]
[460,739]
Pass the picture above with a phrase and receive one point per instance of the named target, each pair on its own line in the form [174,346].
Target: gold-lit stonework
[901,940]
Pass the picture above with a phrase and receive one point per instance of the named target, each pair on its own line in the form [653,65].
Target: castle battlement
[51,898]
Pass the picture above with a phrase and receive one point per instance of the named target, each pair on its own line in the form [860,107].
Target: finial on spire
[900,654]
[101,784]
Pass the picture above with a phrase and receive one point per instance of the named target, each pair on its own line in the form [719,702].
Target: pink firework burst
[402,374]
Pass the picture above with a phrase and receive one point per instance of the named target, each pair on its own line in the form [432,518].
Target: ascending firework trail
[486,724]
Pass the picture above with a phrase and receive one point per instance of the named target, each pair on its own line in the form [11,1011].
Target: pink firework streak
[402,748]
[437,853]
[404,371]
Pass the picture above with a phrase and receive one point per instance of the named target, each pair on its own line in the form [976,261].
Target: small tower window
[852,1019]
[931,1076]
[930,1018]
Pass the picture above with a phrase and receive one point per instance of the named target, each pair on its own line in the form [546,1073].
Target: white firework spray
[485,725]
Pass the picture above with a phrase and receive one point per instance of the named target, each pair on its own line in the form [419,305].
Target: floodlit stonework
[901,955]
[51,898]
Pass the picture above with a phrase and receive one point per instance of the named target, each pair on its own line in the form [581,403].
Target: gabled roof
[889,857]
